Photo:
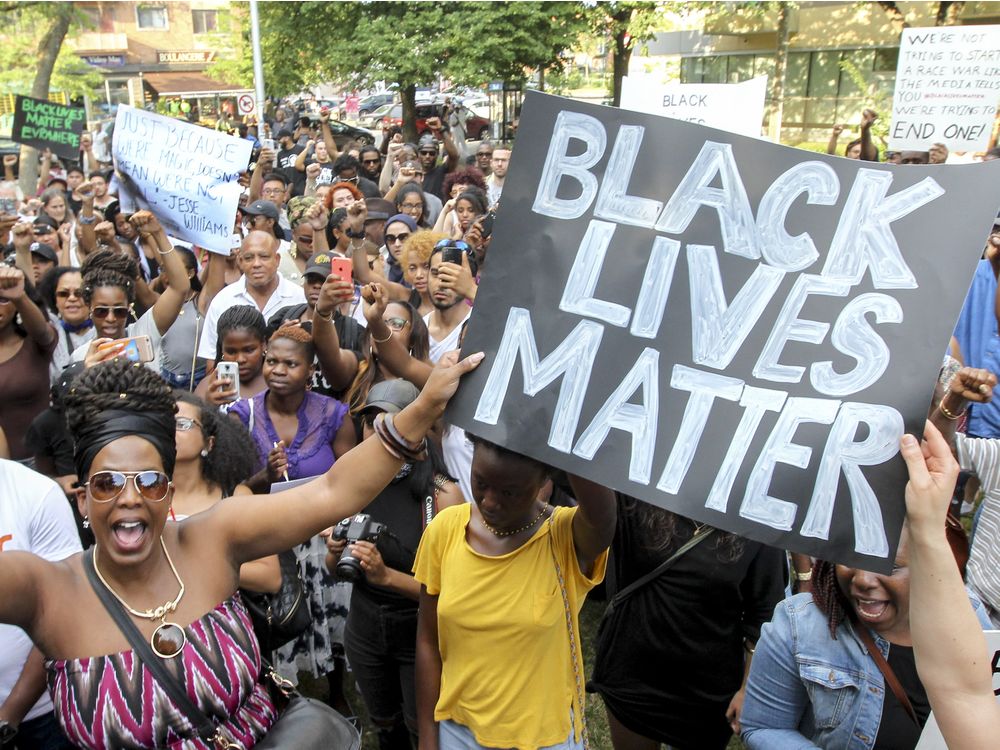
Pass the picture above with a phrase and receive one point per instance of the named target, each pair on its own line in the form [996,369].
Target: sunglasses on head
[67,293]
[103,311]
[183,424]
[460,244]
[393,238]
[105,486]
[396,324]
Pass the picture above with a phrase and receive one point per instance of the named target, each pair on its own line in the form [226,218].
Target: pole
[258,67]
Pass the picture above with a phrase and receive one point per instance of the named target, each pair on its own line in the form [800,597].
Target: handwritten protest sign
[947,86]
[931,738]
[731,329]
[184,173]
[736,107]
[44,124]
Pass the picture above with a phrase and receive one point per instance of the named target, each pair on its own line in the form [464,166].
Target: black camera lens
[349,568]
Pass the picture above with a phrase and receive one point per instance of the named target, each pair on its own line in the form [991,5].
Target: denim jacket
[807,690]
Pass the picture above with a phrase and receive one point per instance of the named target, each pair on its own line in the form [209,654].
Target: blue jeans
[452,736]
[40,733]
[183,381]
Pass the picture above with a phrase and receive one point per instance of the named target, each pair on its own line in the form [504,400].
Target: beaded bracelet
[395,443]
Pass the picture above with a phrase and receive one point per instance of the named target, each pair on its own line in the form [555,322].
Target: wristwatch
[7,731]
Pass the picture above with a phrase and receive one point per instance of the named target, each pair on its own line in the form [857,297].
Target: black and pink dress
[115,703]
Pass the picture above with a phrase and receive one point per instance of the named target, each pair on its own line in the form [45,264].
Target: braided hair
[828,595]
[240,318]
[108,268]
[231,460]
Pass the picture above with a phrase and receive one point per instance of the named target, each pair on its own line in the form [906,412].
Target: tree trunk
[778,84]
[948,13]
[541,78]
[895,16]
[48,51]
[622,55]
[408,98]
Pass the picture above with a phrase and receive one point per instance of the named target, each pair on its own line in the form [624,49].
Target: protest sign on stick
[48,125]
[947,86]
[186,174]
[731,329]
[736,107]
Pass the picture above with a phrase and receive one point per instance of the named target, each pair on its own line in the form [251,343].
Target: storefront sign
[185,56]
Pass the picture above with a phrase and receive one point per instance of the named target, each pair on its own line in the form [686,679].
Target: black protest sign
[47,125]
[734,330]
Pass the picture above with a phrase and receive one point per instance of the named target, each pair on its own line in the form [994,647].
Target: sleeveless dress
[310,454]
[114,702]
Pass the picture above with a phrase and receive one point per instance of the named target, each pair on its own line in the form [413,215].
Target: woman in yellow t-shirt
[494,661]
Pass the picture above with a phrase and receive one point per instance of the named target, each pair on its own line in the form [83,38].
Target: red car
[476,128]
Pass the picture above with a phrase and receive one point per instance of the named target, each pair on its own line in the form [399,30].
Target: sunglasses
[460,244]
[183,424]
[67,293]
[393,238]
[370,161]
[396,324]
[356,179]
[428,153]
[105,486]
[116,312]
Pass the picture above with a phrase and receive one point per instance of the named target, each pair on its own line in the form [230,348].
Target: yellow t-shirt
[506,668]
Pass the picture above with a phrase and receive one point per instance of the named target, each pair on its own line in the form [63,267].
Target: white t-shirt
[34,517]
[144,326]
[285,295]
[457,450]
[450,342]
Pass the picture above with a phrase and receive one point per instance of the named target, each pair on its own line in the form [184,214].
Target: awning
[190,84]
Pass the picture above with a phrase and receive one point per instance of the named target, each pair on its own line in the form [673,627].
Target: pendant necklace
[497,532]
[169,638]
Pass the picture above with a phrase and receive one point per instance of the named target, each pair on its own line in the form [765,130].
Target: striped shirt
[982,456]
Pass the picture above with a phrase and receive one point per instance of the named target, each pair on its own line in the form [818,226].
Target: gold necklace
[526,526]
[169,638]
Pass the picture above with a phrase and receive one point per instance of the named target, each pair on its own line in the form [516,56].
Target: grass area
[597,723]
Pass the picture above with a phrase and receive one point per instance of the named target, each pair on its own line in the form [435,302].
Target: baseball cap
[45,222]
[379,209]
[44,250]
[391,395]
[269,210]
[283,133]
[318,264]
[427,141]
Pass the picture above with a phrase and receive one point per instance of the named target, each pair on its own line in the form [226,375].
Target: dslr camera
[359,528]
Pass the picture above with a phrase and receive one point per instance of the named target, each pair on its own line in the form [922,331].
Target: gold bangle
[948,414]
[382,341]
[327,317]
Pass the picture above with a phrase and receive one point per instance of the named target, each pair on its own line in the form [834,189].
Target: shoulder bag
[891,681]
[284,615]
[304,724]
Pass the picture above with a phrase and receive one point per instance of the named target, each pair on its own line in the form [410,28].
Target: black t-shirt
[671,656]
[286,166]
[434,181]
[326,174]
[349,333]
[368,188]
[402,514]
[47,437]
[897,731]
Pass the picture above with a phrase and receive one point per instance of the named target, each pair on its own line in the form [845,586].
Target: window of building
[205,21]
[151,16]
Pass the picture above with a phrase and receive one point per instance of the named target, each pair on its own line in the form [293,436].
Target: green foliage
[880,99]
[24,26]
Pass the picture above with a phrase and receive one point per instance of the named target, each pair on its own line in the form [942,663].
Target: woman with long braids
[122,418]
[670,660]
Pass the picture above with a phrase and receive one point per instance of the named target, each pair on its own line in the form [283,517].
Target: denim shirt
[807,690]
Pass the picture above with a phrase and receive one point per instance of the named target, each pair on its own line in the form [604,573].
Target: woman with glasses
[122,419]
[62,290]
[110,294]
[214,458]
[410,200]
[27,341]
[398,229]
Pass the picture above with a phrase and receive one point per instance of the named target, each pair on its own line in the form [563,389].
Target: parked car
[373,119]
[374,101]
[342,133]
[476,128]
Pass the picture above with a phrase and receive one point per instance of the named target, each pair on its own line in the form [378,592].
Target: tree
[52,64]
[626,23]
[410,44]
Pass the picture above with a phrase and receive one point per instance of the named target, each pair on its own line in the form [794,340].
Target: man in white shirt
[261,286]
[444,322]
[35,517]
[494,183]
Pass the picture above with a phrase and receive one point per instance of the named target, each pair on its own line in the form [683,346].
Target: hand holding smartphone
[136,349]
[229,373]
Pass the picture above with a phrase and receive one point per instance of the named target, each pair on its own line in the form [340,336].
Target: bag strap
[206,730]
[690,544]
[890,677]
[574,650]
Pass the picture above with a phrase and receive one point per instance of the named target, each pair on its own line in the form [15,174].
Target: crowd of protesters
[161,404]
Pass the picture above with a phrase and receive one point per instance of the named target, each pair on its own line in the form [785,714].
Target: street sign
[246,104]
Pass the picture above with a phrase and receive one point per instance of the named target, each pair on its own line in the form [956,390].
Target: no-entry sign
[246,104]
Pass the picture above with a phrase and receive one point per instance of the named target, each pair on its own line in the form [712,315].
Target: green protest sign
[44,124]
